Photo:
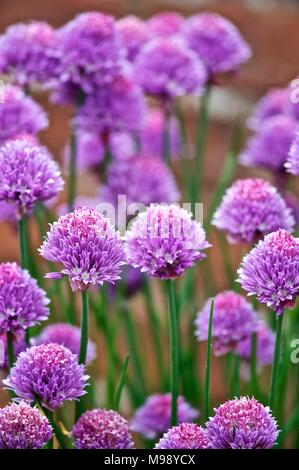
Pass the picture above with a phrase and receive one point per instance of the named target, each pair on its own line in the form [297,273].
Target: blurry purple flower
[19,114]
[184,436]
[68,336]
[8,212]
[152,419]
[90,50]
[273,103]
[165,24]
[23,427]
[164,241]
[22,302]
[86,202]
[270,271]
[264,347]
[269,148]
[28,174]
[250,209]
[292,163]
[117,106]
[102,429]
[87,246]
[166,68]
[142,180]
[242,423]
[292,203]
[133,33]
[216,41]
[49,373]
[233,320]
[28,52]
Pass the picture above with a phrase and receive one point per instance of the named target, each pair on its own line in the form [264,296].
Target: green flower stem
[23,244]
[166,137]
[236,376]
[10,350]
[155,334]
[83,342]
[254,386]
[291,424]
[121,383]
[276,359]
[174,350]
[57,431]
[208,366]
[72,172]
[201,134]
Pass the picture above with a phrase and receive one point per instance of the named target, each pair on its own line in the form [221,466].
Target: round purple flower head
[68,336]
[269,148]
[90,50]
[102,429]
[19,114]
[184,436]
[233,320]
[152,419]
[28,175]
[250,209]
[22,302]
[165,24]
[23,427]
[28,52]
[142,180]
[216,41]
[265,345]
[164,241]
[49,373]
[19,345]
[151,136]
[270,271]
[242,423]
[292,163]
[117,106]
[87,246]
[166,68]
[274,103]
[133,33]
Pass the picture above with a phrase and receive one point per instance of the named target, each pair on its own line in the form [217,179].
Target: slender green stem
[83,342]
[236,376]
[10,350]
[72,172]
[276,359]
[166,138]
[208,366]
[57,431]
[121,383]
[174,350]
[201,134]
[23,245]
[291,424]
[254,388]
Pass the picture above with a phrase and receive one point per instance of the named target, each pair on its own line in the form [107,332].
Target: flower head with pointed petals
[184,436]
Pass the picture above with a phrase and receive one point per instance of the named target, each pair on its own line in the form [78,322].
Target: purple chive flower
[87,202]
[165,24]
[133,33]
[250,209]
[152,419]
[184,436]
[292,163]
[269,148]
[242,423]
[23,427]
[265,345]
[151,136]
[102,429]
[19,345]
[28,52]
[164,241]
[233,320]
[49,373]
[166,68]
[142,180]
[274,103]
[117,106]
[270,271]
[28,175]
[217,42]
[22,302]
[19,114]
[68,336]
[87,246]
[90,50]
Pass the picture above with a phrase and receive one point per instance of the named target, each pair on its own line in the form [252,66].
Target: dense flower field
[143,244]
